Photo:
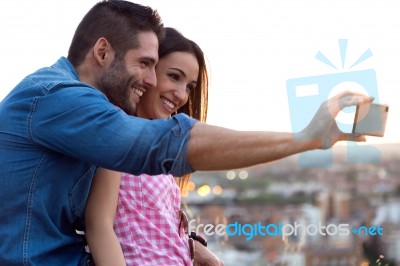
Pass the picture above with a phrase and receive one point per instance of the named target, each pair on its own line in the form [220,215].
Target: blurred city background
[363,194]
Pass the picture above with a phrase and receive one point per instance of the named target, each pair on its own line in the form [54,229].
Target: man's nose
[150,78]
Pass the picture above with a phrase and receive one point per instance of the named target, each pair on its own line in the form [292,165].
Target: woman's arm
[204,257]
[99,217]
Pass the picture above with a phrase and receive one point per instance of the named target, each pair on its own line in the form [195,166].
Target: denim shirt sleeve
[81,123]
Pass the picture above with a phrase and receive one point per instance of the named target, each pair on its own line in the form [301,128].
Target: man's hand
[323,130]
[204,257]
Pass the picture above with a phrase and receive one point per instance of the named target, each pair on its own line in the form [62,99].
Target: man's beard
[115,83]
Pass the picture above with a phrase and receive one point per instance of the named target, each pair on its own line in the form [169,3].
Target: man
[61,122]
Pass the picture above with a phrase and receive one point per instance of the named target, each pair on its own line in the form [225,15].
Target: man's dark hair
[119,22]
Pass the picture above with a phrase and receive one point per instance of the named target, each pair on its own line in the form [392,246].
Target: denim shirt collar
[65,66]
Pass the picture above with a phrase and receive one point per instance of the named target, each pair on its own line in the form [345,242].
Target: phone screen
[370,119]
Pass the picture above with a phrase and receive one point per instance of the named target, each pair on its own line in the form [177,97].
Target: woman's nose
[182,93]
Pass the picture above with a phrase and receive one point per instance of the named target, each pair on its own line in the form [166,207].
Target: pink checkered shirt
[147,221]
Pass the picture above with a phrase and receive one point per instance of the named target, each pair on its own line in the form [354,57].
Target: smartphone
[370,119]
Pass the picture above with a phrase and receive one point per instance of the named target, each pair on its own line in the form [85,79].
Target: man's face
[125,81]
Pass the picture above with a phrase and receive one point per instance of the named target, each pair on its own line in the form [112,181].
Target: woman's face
[177,74]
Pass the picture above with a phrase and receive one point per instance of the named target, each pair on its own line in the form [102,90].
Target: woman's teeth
[168,103]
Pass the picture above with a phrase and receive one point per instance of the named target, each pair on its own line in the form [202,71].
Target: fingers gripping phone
[370,119]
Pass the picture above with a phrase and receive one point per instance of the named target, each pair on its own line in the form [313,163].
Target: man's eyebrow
[180,70]
[150,59]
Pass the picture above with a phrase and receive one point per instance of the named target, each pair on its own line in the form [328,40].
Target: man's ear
[103,52]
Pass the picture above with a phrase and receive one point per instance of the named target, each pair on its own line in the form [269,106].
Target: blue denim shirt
[54,131]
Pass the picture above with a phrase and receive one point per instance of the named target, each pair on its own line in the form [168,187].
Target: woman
[147,219]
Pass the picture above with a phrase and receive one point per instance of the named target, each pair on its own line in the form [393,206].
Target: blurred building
[331,252]
[334,204]
[388,245]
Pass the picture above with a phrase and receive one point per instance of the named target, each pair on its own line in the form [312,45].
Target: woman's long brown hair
[197,103]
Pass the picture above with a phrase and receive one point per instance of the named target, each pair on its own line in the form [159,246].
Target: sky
[252,48]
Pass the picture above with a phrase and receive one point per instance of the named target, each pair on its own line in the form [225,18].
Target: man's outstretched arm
[216,148]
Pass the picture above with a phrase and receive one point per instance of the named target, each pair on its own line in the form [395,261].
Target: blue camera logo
[306,94]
